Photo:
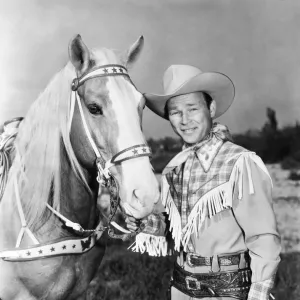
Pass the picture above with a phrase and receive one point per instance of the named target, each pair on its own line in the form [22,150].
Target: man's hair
[208,99]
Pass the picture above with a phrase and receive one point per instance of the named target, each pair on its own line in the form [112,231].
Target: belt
[195,260]
[235,284]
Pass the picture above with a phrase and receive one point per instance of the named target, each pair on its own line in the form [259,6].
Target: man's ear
[212,108]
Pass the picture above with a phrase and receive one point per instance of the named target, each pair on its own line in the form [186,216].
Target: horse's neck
[77,203]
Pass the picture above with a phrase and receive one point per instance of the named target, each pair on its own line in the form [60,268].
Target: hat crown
[177,75]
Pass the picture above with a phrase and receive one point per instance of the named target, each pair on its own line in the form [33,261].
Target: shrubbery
[273,145]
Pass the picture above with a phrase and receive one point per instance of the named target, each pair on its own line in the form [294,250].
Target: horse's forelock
[104,56]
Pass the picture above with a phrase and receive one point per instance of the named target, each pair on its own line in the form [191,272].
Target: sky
[255,42]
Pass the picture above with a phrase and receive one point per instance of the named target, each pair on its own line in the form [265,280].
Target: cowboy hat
[184,79]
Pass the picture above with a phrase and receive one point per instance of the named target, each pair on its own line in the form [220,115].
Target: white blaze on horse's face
[139,190]
[113,108]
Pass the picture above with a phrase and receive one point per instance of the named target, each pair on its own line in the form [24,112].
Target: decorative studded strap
[57,247]
[103,71]
[54,248]
[195,260]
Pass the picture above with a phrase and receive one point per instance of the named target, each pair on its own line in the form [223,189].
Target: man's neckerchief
[206,150]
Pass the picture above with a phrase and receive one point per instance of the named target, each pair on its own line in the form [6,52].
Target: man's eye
[172,113]
[95,109]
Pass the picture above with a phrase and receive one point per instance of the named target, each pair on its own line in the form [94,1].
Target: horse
[83,129]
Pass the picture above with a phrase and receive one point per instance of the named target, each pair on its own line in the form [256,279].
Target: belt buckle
[189,279]
[188,259]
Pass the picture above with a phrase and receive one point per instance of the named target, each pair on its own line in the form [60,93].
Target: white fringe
[172,211]
[213,202]
[220,198]
[153,245]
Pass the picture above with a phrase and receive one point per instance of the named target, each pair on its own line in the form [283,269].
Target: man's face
[190,117]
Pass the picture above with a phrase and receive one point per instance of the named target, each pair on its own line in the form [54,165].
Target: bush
[287,282]
[291,162]
[294,176]
[160,160]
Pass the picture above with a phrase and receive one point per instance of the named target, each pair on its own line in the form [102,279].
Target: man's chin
[191,140]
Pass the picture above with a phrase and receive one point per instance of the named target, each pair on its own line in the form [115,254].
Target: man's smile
[189,130]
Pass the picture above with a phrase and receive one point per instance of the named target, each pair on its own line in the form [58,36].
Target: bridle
[125,154]
[105,178]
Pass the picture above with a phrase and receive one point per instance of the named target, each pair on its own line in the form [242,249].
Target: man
[217,196]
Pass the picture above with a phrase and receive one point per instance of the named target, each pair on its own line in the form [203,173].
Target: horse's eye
[95,109]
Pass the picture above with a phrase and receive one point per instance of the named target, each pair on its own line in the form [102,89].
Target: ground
[127,275]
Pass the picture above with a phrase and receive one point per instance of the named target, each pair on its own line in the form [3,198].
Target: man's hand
[132,223]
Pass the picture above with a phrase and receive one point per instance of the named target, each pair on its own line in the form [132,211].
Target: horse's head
[112,108]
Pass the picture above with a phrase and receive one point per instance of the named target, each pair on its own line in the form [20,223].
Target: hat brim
[217,85]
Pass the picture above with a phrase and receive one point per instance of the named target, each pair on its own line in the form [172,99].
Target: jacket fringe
[153,245]
[172,211]
[213,202]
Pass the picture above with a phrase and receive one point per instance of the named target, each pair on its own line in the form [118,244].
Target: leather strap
[195,260]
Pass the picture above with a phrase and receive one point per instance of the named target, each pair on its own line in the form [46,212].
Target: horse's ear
[134,51]
[79,54]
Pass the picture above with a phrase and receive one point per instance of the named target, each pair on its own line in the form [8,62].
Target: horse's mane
[37,163]
[45,129]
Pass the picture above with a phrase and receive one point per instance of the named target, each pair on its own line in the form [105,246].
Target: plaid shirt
[190,181]
[193,173]
[261,290]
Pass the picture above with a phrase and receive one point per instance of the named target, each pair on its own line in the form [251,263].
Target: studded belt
[195,260]
[235,284]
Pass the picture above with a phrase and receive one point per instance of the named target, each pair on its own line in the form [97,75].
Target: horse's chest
[76,274]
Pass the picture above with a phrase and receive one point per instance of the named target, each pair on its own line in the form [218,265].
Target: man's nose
[184,118]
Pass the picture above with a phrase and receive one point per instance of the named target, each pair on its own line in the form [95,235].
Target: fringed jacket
[221,205]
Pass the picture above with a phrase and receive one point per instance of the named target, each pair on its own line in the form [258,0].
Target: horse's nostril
[140,196]
[135,193]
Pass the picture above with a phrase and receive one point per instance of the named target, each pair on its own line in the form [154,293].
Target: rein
[80,245]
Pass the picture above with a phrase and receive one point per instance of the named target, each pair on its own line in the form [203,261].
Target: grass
[131,276]
[287,283]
